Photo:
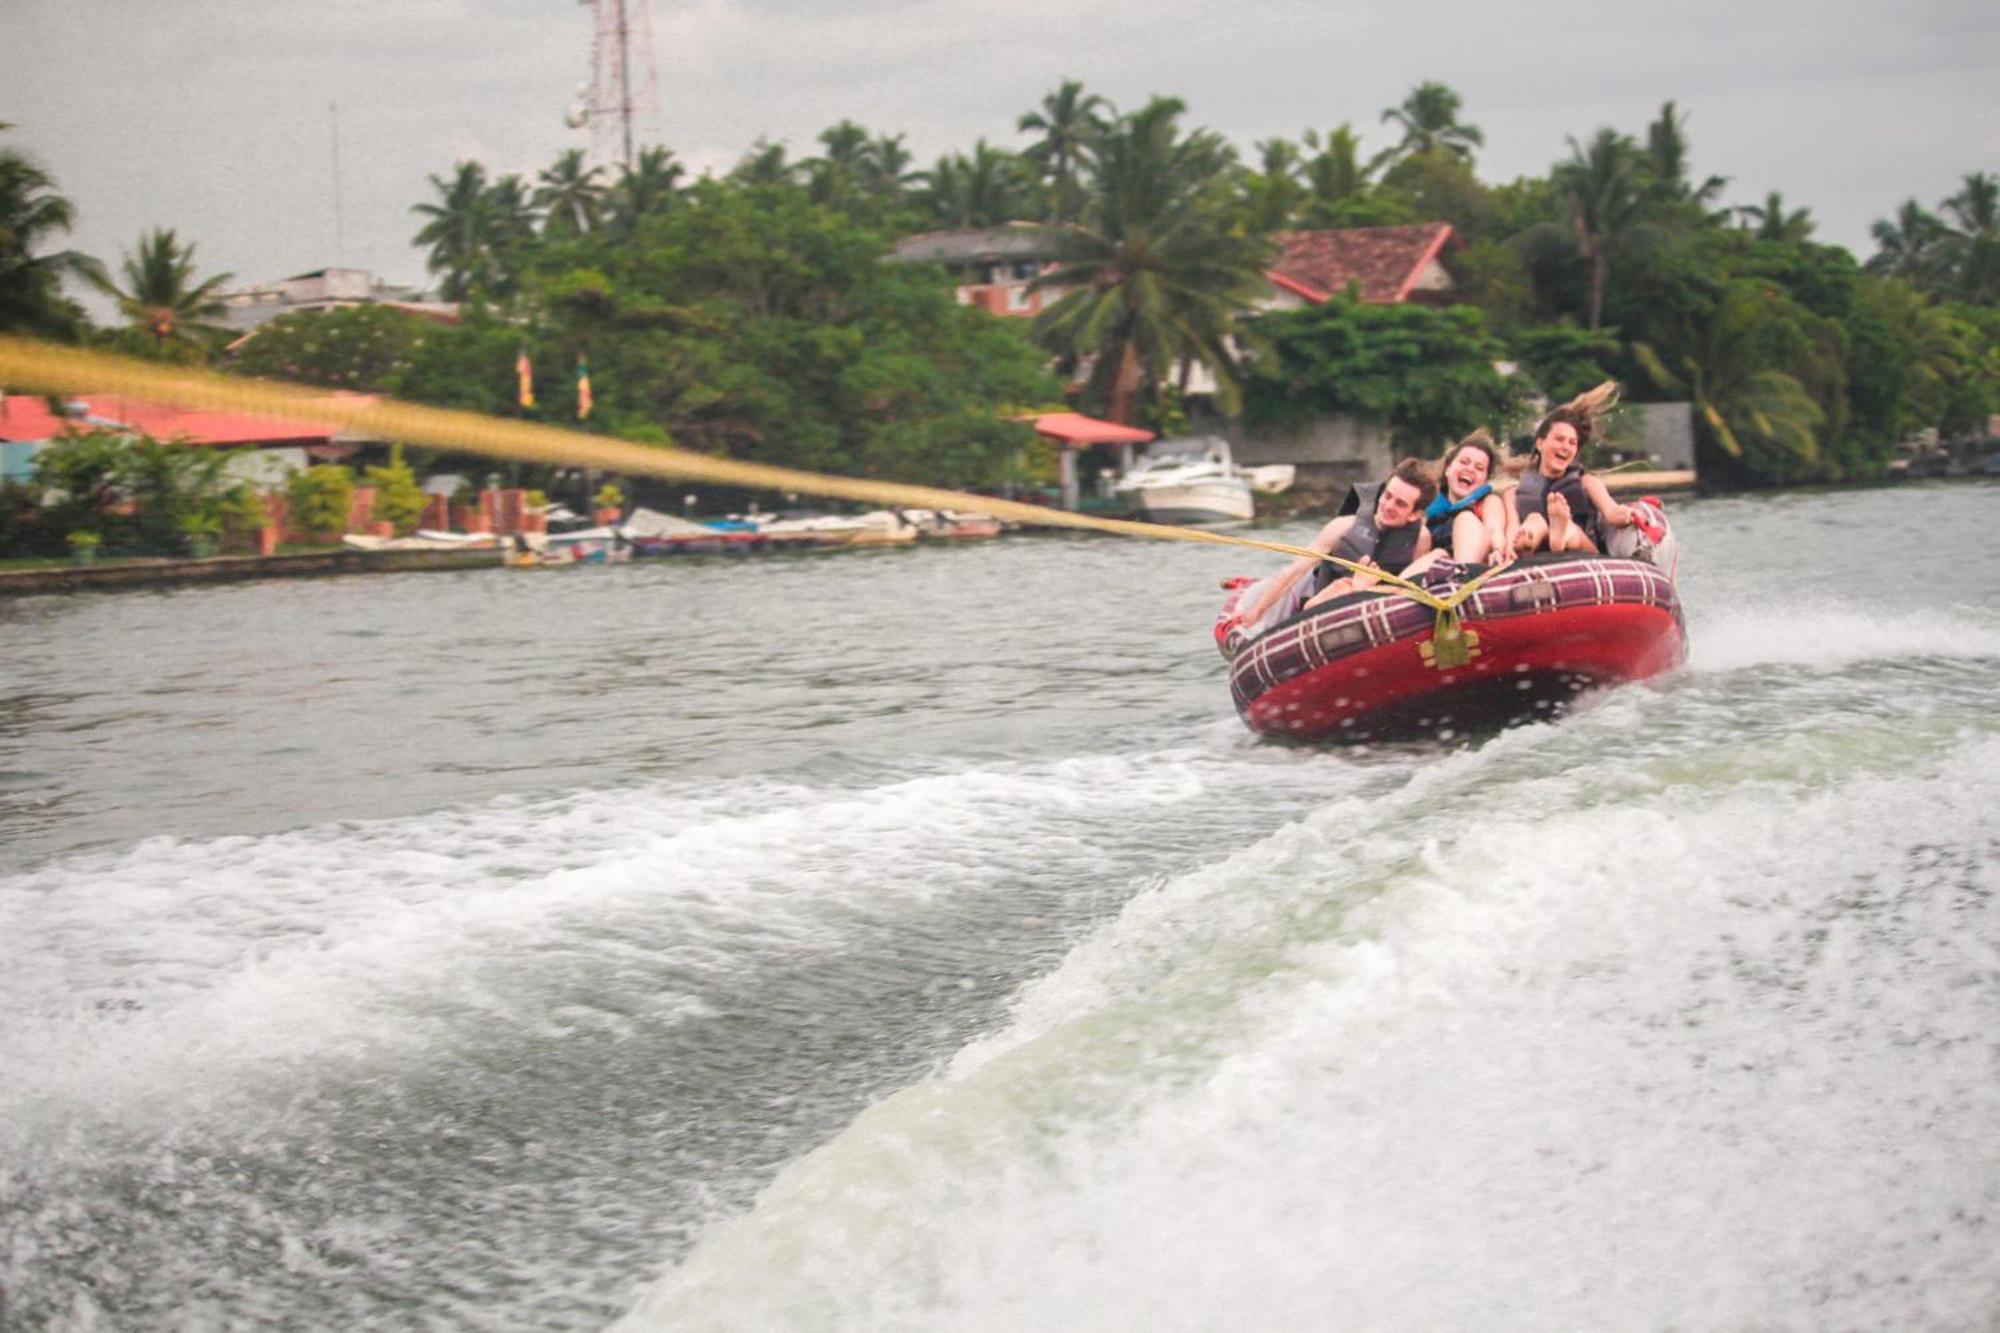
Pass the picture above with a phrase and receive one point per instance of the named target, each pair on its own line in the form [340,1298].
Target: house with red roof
[1383,265]
[28,422]
[992,267]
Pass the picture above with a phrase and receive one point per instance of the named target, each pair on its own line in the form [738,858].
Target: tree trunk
[1126,387]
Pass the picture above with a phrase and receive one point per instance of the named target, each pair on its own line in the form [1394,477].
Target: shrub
[321,499]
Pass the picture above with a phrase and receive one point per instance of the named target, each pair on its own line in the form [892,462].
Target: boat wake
[1518,1044]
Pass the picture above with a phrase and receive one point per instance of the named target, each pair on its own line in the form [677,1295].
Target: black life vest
[1392,548]
[1532,497]
[1443,512]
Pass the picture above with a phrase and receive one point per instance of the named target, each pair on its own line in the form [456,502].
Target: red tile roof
[27,417]
[1075,428]
[1386,261]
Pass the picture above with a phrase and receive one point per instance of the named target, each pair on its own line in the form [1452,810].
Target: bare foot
[1558,522]
[1529,536]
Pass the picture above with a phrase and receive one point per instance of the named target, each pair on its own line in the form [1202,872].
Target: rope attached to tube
[50,368]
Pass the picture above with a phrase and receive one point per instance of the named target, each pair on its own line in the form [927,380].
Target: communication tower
[622,40]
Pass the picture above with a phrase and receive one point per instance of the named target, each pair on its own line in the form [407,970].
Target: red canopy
[1074,428]
[25,418]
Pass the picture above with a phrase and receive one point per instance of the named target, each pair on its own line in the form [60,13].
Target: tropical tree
[513,222]
[1426,373]
[1429,120]
[836,177]
[1602,188]
[1911,365]
[1771,221]
[1269,197]
[1667,161]
[31,213]
[570,196]
[458,231]
[170,313]
[366,348]
[1752,410]
[1335,176]
[1972,247]
[645,188]
[1152,276]
[887,168]
[765,164]
[978,191]
[1067,124]
[1910,246]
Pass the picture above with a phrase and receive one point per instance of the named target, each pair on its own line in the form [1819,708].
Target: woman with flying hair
[1561,507]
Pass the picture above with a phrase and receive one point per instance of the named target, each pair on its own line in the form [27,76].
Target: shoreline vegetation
[47,575]
[752,314]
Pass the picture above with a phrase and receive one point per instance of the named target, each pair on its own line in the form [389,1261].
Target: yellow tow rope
[54,369]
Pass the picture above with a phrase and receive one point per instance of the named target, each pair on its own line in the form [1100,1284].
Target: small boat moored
[1196,481]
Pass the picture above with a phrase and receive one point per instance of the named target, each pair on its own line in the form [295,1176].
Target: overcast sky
[213,116]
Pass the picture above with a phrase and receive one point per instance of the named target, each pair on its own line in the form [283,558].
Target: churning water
[914,941]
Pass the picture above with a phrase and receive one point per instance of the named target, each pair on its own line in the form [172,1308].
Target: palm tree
[1429,119]
[1751,408]
[1769,221]
[643,189]
[1667,156]
[457,231]
[1972,247]
[1335,174]
[31,212]
[1152,273]
[570,197]
[765,164]
[169,314]
[1271,195]
[511,215]
[1067,123]
[1603,193]
[836,177]
[983,190]
[1910,247]
[886,168]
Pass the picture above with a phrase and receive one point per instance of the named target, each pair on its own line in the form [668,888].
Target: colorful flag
[526,374]
[582,389]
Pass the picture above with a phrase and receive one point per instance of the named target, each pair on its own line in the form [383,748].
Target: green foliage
[131,490]
[170,486]
[241,511]
[1152,276]
[1426,372]
[1428,119]
[169,314]
[1562,360]
[321,499]
[365,348]
[31,276]
[1756,417]
[608,496]
[398,498]
[758,324]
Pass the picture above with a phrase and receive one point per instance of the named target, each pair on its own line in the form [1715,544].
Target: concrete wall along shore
[235,568]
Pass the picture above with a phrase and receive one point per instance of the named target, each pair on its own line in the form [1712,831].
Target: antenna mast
[339,231]
[623,37]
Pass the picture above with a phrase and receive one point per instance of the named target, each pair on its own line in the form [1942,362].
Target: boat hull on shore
[1538,634]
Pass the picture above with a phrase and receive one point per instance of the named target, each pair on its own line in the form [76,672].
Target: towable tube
[1540,632]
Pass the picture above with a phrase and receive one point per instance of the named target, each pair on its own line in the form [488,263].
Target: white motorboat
[1197,481]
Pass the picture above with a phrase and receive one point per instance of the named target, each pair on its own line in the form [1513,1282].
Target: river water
[916,940]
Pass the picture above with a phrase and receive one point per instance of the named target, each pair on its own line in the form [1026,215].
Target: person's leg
[1470,542]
